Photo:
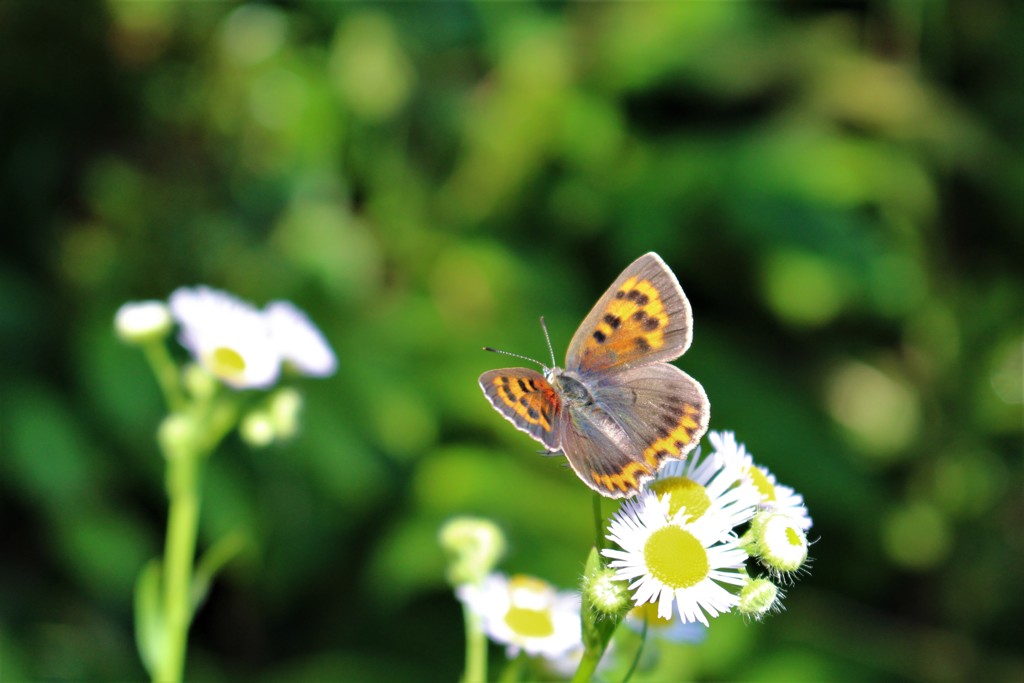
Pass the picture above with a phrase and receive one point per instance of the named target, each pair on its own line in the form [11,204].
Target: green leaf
[149,618]
[212,561]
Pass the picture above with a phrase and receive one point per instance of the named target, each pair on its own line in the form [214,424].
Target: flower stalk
[183,478]
[235,344]
[476,648]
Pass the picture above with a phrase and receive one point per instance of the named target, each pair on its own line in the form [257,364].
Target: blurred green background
[836,185]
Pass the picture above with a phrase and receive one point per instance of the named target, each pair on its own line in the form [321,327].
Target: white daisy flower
[674,561]
[672,630]
[299,341]
[525,613]
[139,322]
[707,486]
[774,496]
[229,337]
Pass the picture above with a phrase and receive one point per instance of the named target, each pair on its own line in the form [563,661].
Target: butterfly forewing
[643,318]
[526,400]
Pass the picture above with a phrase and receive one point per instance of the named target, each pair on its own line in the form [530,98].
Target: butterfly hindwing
[638,418]
[600,454]
[661,409]
[644,317]
[526,400]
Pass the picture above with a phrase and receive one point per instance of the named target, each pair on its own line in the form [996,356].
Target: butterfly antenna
[516,355]
[544,327]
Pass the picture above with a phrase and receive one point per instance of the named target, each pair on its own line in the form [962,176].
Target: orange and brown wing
[643,318]
[526,400]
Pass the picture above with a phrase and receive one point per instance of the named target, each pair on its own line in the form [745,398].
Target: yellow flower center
[531,623]
[225,362]
[676,558]
[685,493]
[761,482]
[793,537]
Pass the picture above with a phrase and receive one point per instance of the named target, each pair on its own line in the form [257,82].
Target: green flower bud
[605,594]
[758,597]
[176,435]
[779,542]
[143,322]
[257,429]
[284,407]
[473,546]
[199,382]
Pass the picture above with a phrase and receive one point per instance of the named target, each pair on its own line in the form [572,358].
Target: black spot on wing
[638,297]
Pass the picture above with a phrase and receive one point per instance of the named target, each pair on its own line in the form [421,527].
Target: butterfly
[618,409]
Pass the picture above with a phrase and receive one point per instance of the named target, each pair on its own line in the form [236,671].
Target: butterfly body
[618,408]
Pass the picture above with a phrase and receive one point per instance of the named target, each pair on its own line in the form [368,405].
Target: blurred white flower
[227,336]
[299,341]
[526,613]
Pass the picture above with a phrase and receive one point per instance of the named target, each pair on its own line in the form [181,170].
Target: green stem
[514,669]
[639,651]
[167,374]
[476,648]
[588,665]
[179,557]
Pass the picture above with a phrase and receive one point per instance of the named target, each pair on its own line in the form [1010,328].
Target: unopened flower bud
[257,429]
[758,597]
[141,322]
[176,435]
[473,546]
[283,409]
[199,383]
[780,543]
[605,594]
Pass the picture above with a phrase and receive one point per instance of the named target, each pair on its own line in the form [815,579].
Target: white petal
[300,341]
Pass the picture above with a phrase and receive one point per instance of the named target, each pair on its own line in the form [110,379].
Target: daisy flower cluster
[525,614]
[708,536]
[232,343]
[237,343]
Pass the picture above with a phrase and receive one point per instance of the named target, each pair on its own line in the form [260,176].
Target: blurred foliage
[837,186]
